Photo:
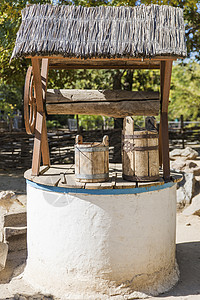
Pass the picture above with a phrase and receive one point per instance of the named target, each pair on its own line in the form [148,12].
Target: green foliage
[51,124]
[90,122]
[95,122]
[146,80]
[80,79]
[10,98]
[185,91]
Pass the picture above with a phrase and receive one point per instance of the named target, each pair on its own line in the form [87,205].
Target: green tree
[185,92]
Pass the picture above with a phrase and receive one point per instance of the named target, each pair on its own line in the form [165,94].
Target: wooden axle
[115,103]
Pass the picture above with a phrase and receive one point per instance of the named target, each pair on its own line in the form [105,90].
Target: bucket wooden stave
[146,156]
[140,158]
[91,160]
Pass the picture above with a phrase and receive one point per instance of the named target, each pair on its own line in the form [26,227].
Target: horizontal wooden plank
[63,176]
[97,59]
[97,63]
[71,96]
[104,67]
[110,109]
[102,64]
[151,183]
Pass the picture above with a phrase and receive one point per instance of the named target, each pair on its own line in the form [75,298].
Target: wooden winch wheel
[30,109]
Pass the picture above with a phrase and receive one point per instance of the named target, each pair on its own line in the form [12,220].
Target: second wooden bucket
[91,160]
[140,158]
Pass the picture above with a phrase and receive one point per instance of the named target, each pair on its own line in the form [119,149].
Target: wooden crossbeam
[115,103]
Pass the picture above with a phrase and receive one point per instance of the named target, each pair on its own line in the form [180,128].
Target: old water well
[100,239]
[104,239]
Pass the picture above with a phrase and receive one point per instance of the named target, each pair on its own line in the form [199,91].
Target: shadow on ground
[32,297]
[13,181]
[188,258]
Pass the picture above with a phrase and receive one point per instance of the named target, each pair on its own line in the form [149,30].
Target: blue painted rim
[56,189]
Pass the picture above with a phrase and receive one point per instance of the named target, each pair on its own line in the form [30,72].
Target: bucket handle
[105,140]
[79,139]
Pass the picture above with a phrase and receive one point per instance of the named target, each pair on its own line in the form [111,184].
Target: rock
[180,198]
[178,164]
[174,154]
[186,189]
[3,255]
[13,231]
[194,208]
[189,153]
[7,198]
[195,171]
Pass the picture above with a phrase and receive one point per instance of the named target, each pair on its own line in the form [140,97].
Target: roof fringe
[76,31]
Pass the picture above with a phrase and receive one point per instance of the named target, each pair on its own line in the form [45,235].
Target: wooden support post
[160,126]
[182,132]
[165,75]
[44,145]
[160,143]
[37,144]
[39,117]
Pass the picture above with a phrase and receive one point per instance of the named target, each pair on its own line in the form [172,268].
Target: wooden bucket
[140,157]
[91,160]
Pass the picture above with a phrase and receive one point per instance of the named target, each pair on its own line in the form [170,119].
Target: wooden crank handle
[30,109]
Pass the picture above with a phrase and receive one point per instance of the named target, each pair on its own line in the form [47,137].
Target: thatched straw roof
[71,31]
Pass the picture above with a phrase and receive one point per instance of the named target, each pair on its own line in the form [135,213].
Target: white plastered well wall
[83,246]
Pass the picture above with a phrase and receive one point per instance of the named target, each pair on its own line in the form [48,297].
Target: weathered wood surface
[110,109]
[53,176]
[128,154]
[114,103]
[98,59]
[39,117]
[44,143]
[70,96]
[59,62]
[30,109]
[97,63]
[102,64]
[165,74]
[91,160]
[141,157]
[146,159]
[153,157]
